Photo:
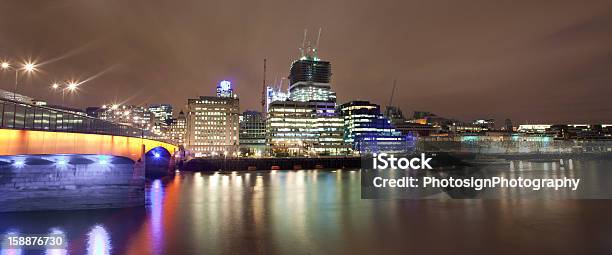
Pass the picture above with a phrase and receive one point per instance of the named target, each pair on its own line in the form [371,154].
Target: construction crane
[392,93]
[263,90]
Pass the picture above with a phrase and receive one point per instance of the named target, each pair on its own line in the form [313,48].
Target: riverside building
[213,123]
[178,130]
[252,135]
[368,130]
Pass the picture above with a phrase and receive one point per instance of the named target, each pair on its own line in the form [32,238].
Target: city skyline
[449,58]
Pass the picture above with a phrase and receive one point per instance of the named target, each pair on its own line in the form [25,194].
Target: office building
[177,133]
[307,124]
[275,94]
[161,112]
[305,129]
[252,135]
[368,130]
[213,123]
[309,78]
[131,115]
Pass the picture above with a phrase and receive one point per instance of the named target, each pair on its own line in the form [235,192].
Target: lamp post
[71,86]
[27,67]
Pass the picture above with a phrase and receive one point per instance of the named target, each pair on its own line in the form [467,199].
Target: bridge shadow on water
[158,163]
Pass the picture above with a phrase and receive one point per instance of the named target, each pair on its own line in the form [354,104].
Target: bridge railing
[18,115]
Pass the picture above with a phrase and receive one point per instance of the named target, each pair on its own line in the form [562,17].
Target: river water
[318,212]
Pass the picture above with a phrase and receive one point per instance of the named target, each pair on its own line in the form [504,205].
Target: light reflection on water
[319,212]
[98,241]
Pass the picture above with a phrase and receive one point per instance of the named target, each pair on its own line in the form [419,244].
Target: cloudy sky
[531,61]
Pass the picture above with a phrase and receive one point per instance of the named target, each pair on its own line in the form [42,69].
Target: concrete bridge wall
[61,182]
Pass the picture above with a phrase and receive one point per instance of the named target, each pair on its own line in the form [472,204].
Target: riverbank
[252,164]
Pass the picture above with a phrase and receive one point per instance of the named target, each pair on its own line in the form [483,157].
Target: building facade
[131,115]
[213,124]
[178,130]
[252,135]
[368,130]
[305,128]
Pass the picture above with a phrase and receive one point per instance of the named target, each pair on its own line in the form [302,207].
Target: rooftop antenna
[392,93]
[263,90]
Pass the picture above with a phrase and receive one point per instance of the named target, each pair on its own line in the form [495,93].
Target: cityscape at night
[362,127]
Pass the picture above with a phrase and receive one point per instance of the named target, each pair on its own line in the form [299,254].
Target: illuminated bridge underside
[27,142]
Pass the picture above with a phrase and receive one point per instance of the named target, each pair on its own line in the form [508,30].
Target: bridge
[58,159]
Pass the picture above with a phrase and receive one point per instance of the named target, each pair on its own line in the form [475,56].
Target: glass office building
[368,130]
[252,134]
[305,128]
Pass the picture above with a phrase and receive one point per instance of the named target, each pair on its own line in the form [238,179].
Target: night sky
[531,61]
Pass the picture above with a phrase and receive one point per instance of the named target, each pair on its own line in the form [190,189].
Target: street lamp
[27,67]
[71,86]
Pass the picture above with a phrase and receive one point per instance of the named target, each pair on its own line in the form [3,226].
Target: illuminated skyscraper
[309,77]
[307,123]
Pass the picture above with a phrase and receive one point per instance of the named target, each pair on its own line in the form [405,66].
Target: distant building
[213,122]
[252,135]
[93,111]
[161,118]
[273,95]
[460,127]
[368,130]
[538,128]
[489,124]
[416,129]
[421,114]
[161,112]
[508,125]
[9,95]
[178,130]
[394,114]
[131,115]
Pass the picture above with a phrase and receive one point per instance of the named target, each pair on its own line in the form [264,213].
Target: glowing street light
[29,67]
[55,85]
[72,86]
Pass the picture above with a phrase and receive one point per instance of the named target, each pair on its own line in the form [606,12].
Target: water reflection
[57,231]
[98,241]
[307,211]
